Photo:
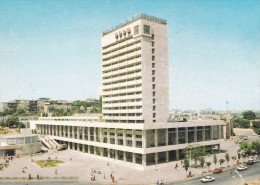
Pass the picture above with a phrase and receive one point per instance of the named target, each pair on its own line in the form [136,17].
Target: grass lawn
[48,163]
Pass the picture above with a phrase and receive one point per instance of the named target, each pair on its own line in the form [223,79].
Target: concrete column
[219,131]
[73,146]
[108,135]
[167,156]
[83,148]
[177,155]
[203,133]
[166,137]
[156,137]
[134,160]
[116,138]
[73,133]
[77,133]
[102,152]
[83,133]
[101,135]
[78,148]
[64,131]
[68,131]
[195,134]
[211,149]
[133,138]
[156,158]
[95,151]
[177,136]
[60,131]
[108,153]
[144,159]
[116,154]
[211,132]
[124,155]
[95,135]
[124,137]
[186,135]
[144,140]
[88,133]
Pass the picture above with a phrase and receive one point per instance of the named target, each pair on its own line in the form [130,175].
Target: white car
[207,179]
[241,168]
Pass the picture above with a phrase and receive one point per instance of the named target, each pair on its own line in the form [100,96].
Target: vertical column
[219,132]
[108,152]
[89,134]
[177,155]
[78,146]
[60,131]
[133,139]
[177,135]
[156,158]
[195,134]
[186,135]
[134,159]
[167,156]
[116,140]
[68,131]
[83,148]
[211,132]
[102,152]
[73,146]
[78,128]
[64,131]
[101,135]
[144,141]
[95,135]
[218,148]
[95,150]
[144,159]
[83,134]
[211,149]
[124,155]
[124,137]
[156,137]
[166,137]
[203,133]
[73,131]
[108,135]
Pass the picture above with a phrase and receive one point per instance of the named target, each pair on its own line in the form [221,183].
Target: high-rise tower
[135,71]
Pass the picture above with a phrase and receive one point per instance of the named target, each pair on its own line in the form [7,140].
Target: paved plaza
[80,165]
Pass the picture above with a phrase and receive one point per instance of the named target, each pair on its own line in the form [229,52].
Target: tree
[12,121]
[249,115]
[186,164]
[256,147]
[215,160]
[246,147]
[227,158]
[244,156]
[221,161]
[241,123]
[195,152]
[208,164]
[21,125]
[202,162]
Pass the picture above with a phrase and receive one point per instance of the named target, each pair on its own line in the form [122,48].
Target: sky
[51,48]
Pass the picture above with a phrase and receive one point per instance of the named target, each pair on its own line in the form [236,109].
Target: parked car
[217,170]
[207,179]
[241,168]
[253,134]
[250,162]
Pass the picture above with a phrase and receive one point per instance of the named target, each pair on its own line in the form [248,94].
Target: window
[153,65]
[153,50]
[153,93]
[153,86]
[152,44]
[154,115]
[154,100]
[154,107]
[136,30]
[152,36]
[153,72]
[154,121]
[153,58]
[146,29]
[153,79]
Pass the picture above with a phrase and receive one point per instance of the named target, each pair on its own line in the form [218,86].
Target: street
[252,172]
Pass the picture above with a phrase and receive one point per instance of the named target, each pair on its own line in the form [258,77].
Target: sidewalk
[82,164]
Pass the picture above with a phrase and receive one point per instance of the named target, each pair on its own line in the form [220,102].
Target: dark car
[250,162]
[217,170]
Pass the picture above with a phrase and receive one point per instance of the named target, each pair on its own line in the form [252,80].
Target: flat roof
[134,18]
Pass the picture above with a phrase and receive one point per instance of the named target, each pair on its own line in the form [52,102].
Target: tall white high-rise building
[133,126]
[135,71]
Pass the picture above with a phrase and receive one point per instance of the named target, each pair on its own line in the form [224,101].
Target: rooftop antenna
[227,102]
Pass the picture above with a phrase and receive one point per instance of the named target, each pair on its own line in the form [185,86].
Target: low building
[19,144]
[139,144]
